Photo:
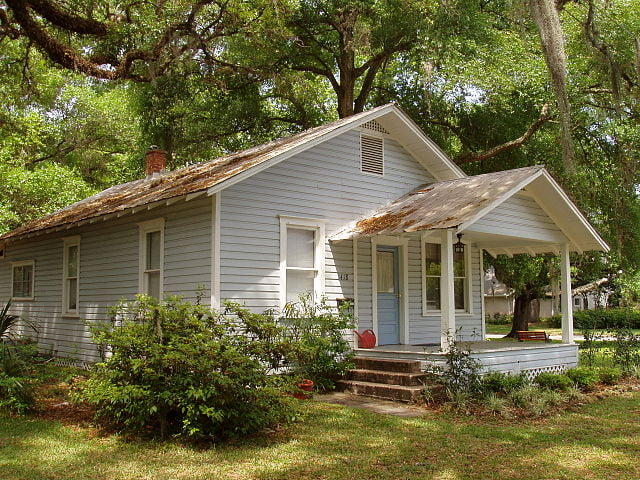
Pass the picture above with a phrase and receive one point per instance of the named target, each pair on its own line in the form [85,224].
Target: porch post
[565,288]
[447,299]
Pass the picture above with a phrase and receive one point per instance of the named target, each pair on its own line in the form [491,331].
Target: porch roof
[461,202]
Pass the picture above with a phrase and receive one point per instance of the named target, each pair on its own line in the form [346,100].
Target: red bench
[526,335]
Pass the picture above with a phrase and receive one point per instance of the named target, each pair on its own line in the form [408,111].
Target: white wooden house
[365,208]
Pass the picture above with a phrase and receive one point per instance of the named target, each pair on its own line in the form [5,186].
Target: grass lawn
[599,440]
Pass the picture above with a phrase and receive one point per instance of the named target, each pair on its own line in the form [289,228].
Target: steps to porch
[399,380]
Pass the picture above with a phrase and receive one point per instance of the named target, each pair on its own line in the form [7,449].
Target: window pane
[459,293]
[300,248]
[459,265]
[432,258]
[299,282]
[153,284]
[433,293]
[72,291]
[384,269]
[153,251]
[22,281]
[72,261]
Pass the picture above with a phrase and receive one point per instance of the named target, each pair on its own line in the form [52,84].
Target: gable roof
[215,175]
[461,202]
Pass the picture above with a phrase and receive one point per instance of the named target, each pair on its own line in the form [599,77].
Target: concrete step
[388,365]
[399,393]
[388,378]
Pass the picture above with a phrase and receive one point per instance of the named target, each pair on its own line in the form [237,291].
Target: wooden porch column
[566,298]
[447,299]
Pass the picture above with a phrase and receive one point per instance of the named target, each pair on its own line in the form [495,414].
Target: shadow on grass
[602,440]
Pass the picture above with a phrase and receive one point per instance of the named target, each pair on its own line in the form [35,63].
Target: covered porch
[424,256]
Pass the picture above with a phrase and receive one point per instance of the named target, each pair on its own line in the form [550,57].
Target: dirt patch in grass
[53,403]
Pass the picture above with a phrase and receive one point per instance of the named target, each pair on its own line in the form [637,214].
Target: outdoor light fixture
[459,246]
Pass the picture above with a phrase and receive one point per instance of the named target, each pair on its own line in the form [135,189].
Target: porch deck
[503,356]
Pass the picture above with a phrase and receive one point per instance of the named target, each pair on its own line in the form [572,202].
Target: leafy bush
[178,368]
[16,393]
[601,318]
[524,396]
[554,321]
[498,382]
[626,349]
[462,371]
[499,319]
[609,375]
[322,353]
[584,377]
[553,381]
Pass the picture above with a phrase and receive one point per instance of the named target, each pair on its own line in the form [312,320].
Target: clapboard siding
[323,182]
[426,329]
[519,216]
[109,271]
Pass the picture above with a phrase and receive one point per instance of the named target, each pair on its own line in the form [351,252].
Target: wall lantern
[458,247]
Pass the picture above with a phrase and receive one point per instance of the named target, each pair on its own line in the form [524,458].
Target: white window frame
[468,300]
[24,263]
[155,225]
[381,136]
[304,223]
[70,242]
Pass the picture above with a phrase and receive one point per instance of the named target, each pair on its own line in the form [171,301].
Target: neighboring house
[499,299]
[365,208]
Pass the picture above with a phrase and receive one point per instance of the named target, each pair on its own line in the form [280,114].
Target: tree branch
[510,145]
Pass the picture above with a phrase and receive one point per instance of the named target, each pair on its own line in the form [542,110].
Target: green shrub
[499,382]
[601,318]
[499,319]
[16,393]
[461,372]
[555,321]
[609,375]
[626,349]
[178,368]
[322,353]
[584,377]
[496,405]
[553,381]
[524,396]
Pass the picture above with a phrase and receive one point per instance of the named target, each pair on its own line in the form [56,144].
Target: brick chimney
[156,160]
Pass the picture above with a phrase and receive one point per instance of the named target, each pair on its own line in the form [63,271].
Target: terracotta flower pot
[306,385]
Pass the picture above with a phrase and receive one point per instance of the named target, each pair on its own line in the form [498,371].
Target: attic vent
[372,154]
[374,126]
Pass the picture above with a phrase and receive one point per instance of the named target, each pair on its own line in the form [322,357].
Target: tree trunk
[526,310]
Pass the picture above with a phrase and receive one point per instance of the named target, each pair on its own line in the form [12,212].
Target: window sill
[22,299]
[70,315]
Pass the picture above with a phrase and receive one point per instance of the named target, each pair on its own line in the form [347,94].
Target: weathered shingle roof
[190,179]
[438,205]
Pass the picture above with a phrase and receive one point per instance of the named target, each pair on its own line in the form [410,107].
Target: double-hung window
[71,275]
[22,280]
[432,273]
[301,258]
[152,257]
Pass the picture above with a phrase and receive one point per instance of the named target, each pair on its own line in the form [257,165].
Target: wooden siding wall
[519,216]
[109,271]
[323,182]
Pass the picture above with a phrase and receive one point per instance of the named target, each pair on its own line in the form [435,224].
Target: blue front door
[388,295]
